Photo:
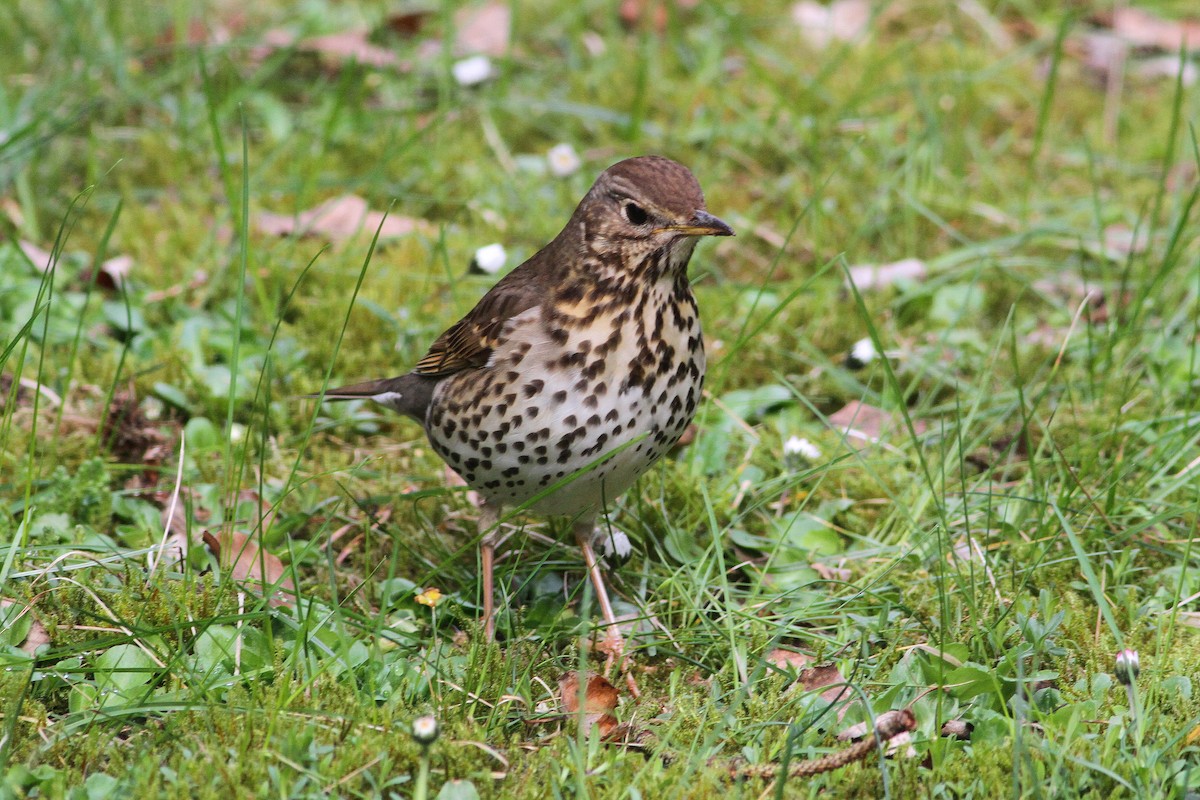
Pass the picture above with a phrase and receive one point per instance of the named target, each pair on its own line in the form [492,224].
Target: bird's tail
[409,394]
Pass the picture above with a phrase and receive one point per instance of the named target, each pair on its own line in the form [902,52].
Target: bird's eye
[636,214]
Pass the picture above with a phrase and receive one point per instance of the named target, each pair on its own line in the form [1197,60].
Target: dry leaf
[114,272]
[37,636]
[24,395]
[1107,51]
[248,563]
[1168,67]
[483,30]
[350,46]
[266,510]
[633,12]
[599,697]
[1122,240]
[6,383]
[958,728]
[1143,29]
[407,23]
[1071,292]
[866,422]
[826,677]
[334,49]
[130,436]
[841,20]
[788,660]
[687,437]
[878,276]
[831,573]
[175,545]
[1101,51]
[37,256]
[12,209]
[599,701]
[337,219]
[198,32]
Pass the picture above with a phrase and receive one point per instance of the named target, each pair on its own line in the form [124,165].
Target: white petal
[472,71]
[490,258]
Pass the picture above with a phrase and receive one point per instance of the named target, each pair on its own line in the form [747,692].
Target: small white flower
[237,433]
[802,448]
[563,160]
[425,730]
[614,543]
[472,71]
[490,258]
[862,353]
[1128,666]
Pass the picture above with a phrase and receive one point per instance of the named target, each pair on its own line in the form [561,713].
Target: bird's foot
[613,648]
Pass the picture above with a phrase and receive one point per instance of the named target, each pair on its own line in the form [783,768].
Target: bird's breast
[605,385]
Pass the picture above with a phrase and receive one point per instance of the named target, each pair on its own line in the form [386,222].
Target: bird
[576,372]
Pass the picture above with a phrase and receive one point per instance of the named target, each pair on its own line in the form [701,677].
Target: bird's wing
[469,343]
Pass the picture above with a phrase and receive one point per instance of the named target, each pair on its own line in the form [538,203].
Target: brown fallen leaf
[200,31]
[788,660]
[1145,29]
[6,384]
[879,276]
[249,564]
[1102,52]
[1121,240]
[1168,67]
[41,259]
[688,436]
[857,420]
[26,387]
[11,209]
[1130,32]
[350,46]
[1094,303]
[958,728]
[483,29]
[656,12]
[333,49]
[338,219]
[599,701]
[840,21]
[827,679]
[830,573]
[129,435]
[407,23]
[111,275]
[115,271]
[37,636]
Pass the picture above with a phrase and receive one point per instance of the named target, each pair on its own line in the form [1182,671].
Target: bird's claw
[613,648]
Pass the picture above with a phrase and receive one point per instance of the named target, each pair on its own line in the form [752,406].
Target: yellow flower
[430,597]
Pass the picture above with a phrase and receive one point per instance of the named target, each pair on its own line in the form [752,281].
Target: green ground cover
[1014,506]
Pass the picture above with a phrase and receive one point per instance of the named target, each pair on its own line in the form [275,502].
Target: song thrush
[579,368]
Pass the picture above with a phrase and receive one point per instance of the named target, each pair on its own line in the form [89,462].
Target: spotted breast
[583,395]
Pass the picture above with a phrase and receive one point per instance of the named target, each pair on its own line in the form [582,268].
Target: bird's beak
[702,223]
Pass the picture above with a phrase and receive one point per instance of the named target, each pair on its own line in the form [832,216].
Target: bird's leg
[614,643]
[489,532]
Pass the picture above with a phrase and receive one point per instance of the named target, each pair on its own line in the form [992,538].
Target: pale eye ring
[635,214]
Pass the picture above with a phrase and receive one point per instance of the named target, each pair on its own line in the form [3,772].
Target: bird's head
[647,205]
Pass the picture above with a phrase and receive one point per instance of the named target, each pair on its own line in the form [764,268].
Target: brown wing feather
[469,343]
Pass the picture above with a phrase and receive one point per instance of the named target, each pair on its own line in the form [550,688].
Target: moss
[85,495]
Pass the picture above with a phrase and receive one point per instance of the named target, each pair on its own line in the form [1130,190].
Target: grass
[1028,511]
